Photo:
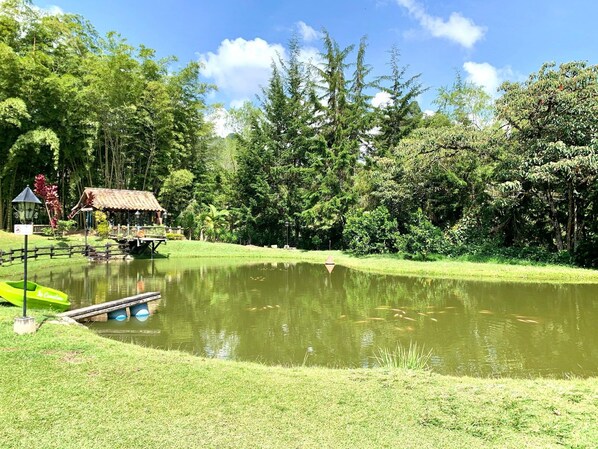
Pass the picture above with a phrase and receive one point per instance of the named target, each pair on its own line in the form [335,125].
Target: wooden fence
[18,255]
[124,231]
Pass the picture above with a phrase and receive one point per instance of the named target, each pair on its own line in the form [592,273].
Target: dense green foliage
[371,232]
[315,162]
[87,110]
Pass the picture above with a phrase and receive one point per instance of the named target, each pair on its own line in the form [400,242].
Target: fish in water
[434,319]
[382,307]
[407,318]
[376,319]
[486,312]
[527,321]
[422,314]
[360,322]
[398,310]
[342,317]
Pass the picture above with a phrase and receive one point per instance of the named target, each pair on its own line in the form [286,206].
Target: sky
[487,41]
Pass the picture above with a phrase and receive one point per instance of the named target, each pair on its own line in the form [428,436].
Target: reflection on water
[295,314]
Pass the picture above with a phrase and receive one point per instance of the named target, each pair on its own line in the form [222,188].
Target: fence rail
[124,231]
[103,252]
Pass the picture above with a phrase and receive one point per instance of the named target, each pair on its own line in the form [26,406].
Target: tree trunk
[1,206]
[555,222]
[572,218]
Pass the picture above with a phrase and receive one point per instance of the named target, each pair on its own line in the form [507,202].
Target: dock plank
[110,306]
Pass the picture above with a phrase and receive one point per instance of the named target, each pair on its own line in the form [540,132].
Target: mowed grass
[389,264]
[384,264]
[64,387]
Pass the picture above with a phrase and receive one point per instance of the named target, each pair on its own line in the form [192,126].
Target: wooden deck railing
[124,231]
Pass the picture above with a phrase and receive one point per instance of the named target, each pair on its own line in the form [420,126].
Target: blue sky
[488,41]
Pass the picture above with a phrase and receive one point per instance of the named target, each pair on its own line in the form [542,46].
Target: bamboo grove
[314,164]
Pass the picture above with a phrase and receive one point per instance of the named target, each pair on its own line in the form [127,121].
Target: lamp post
[25,205]
[137,215]
[164,215]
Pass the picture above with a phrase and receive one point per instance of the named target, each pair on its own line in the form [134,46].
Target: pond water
[295,314]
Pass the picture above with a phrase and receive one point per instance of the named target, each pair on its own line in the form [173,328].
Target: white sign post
[24,229]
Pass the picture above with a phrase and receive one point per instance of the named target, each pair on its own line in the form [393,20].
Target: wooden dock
[110,306]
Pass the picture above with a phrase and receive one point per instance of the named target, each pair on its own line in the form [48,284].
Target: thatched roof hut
[118,201]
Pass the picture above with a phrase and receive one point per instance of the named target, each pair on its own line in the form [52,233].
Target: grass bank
[384,264]
[389,264]
[65,387]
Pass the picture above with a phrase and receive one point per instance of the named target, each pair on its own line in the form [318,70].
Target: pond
[300,314]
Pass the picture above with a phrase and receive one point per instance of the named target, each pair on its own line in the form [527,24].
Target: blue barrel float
[140,311]
[118,315]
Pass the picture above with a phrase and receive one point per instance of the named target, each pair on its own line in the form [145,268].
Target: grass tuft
[413,357]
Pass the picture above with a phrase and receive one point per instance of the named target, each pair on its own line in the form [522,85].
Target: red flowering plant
[49,195]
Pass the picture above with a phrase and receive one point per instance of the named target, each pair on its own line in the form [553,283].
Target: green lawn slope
[65,387]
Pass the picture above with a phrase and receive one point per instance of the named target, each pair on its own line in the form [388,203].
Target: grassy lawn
[65,387]
[386,264]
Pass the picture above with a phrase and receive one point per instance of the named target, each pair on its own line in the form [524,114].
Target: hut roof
[118,200]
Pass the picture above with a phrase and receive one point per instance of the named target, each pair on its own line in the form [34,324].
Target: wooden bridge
[110,306]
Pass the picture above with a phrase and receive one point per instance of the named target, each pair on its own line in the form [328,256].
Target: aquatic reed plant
[413,357]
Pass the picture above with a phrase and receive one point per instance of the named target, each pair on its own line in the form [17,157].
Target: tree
[49,195]
[401,114]
[552,120]
[344,121]
[213,222]
[177,191]
[465,103]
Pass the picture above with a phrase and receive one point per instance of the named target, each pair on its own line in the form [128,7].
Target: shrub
[66,225]
[102,225]
[422,238]
[173,236]
[371,232]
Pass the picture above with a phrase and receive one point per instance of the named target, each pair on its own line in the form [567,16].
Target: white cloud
[241,67]
[53,10]
[239,103]
[486,75]
[381,99]
[457,28]
[307,33]
[311,56]
[50,10]
[220,122]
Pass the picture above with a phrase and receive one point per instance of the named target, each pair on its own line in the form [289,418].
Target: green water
[295,314]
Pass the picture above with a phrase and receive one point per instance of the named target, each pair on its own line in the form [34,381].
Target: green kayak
[38,296]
